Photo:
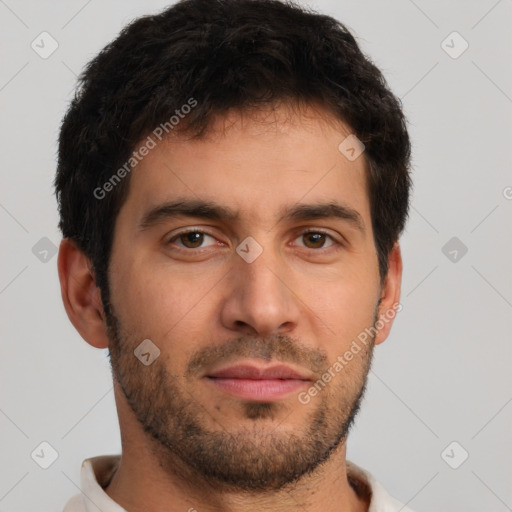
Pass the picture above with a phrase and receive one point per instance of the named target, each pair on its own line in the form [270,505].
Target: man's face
[222,308]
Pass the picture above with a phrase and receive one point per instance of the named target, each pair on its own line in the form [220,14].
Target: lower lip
[263,390]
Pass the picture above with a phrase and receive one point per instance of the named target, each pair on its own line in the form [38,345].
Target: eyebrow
[187,208]
[211,210]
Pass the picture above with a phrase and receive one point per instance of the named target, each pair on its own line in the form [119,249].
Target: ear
[390,295]
[81,296]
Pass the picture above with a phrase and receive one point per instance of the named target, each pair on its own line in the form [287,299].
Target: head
[208,204]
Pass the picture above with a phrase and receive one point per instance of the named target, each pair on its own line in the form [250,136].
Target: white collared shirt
[97,472]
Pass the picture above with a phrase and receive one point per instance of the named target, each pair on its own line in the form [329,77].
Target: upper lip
[246,371]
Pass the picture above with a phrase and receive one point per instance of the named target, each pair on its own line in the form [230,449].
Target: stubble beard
[258,457]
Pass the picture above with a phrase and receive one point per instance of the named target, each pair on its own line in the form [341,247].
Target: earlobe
[390,295]
[80,295]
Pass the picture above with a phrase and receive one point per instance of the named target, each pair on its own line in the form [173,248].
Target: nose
[260,299]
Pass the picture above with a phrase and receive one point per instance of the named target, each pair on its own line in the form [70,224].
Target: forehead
[254,163]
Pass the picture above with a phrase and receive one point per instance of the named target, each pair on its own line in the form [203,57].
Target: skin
[317,298]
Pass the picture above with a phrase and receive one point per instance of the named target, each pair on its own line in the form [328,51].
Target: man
[233,179]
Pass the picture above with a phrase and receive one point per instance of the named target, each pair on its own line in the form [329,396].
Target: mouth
[256,383]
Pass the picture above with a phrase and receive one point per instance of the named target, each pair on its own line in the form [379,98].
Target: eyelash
[302,233]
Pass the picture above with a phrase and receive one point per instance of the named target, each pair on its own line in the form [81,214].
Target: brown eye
[315,240]
[191,239]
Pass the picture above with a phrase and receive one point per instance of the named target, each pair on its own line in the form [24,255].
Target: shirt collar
[97,472]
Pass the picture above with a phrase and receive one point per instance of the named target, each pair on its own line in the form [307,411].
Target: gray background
[444,373]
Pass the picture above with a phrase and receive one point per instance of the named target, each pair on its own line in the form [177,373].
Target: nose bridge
[261,276]
[260,300]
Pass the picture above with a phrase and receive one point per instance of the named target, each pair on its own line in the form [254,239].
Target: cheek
[167,307]
[347,307]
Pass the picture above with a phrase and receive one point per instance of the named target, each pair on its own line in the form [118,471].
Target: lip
[256,383]
[247,371]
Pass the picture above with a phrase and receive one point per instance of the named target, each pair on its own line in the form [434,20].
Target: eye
[197,239]
[315,240]
[192,239]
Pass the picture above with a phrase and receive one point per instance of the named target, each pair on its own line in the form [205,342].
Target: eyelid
[312,229]
[191,229]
